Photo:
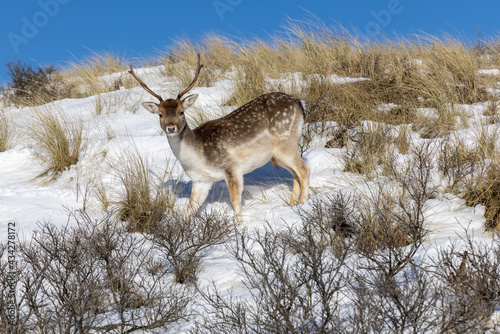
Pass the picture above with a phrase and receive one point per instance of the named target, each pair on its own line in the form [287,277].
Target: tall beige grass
[484,188]
[410,74]
[7,132]
[89,74]
[57,139]
[180,62]
[144,197]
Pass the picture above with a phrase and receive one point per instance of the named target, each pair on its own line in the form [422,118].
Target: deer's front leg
[234,183]
[199,192]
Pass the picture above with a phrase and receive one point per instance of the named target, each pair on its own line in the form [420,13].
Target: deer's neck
[184,147]
[176,142]
[189,150]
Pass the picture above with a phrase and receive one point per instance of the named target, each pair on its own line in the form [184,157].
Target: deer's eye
[160,115]
[181,113]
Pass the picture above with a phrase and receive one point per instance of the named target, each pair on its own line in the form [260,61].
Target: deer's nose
[171,129]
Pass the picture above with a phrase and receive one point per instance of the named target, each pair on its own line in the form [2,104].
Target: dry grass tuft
[380,229]
[249,82]
[144,197]
[457,163]
[474,173]
[217,58]
[7,133]
[58,140]
[485,189]
[93,74]
[370,150]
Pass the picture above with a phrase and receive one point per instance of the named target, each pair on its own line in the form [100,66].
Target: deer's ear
[189,101]
[151,107]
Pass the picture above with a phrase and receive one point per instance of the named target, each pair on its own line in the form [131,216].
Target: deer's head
[171,111]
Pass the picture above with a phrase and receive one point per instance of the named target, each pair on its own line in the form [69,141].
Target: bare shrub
[13,315]
[297,276]
[64,290]
[456,292]
[8,320]
[395,292]
[94,278]
[225,314]
[332,217]
[294,276]
[183,241]
[143,299]
[390,223]
[32,87]
[469,290]
[405,303]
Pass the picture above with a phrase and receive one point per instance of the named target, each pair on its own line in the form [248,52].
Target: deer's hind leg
[234,181]
[300,172]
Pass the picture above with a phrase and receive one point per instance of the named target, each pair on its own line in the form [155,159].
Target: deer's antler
[144,85]
[198,69]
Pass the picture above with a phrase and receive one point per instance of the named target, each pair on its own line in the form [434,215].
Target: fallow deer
[267,128]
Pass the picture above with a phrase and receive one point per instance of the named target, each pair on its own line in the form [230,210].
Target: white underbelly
[253,154]
[254,162]
[205,173]
[198,168]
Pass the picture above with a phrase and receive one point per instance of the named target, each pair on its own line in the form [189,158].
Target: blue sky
[51,32]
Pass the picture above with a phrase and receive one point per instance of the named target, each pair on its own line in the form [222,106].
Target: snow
[126,125]
[491,71]
[296,81]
